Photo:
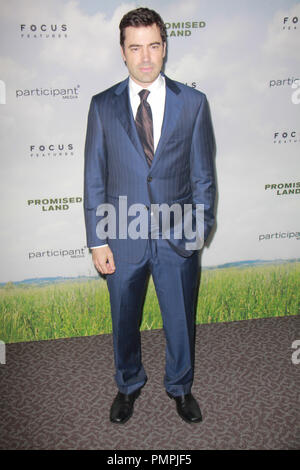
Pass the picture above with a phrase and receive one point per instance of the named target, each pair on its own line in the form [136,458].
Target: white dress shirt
[156,99]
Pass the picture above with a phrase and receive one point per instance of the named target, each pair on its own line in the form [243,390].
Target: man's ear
[165,49]
[123,55]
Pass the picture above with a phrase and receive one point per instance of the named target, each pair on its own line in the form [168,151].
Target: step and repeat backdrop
[56,54]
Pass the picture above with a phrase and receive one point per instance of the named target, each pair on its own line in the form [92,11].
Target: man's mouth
[146,69]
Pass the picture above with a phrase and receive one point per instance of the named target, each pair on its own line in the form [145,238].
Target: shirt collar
[134,88]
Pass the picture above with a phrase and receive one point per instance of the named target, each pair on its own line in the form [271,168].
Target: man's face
[143,52]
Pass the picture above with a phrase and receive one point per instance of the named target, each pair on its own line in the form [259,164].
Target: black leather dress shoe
[187,408]
[122,407]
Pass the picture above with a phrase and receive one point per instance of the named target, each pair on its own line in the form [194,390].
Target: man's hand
[103,259]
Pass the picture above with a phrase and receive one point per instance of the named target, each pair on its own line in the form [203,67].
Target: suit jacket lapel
[124,114]
[172,112]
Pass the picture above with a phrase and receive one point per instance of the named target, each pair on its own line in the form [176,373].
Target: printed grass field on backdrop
[73,308]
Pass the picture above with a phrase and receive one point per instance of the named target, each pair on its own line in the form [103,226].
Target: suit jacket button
[149,178]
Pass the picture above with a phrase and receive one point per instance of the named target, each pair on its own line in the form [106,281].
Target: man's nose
[145,54]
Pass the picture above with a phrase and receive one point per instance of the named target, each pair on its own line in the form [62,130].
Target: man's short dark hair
[142,17]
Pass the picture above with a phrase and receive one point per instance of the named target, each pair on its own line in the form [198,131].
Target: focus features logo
[64,93]
[290,22]
[52,150]
[286,137]
[46,31]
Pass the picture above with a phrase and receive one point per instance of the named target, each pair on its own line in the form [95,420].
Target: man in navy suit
[149,142]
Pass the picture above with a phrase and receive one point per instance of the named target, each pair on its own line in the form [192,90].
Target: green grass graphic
[81,308]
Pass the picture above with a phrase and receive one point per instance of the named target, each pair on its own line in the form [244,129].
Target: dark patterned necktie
[144,125]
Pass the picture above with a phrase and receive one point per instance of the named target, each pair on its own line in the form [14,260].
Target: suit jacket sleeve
[94,174]
[201,164]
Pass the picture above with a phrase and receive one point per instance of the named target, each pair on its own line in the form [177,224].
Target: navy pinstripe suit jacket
[115,164]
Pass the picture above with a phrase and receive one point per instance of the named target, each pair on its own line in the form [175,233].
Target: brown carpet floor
[57,394]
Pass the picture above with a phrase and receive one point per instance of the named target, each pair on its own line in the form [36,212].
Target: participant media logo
[52,93]
[289,235]
[43,31]
[57,253]
[281,82]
